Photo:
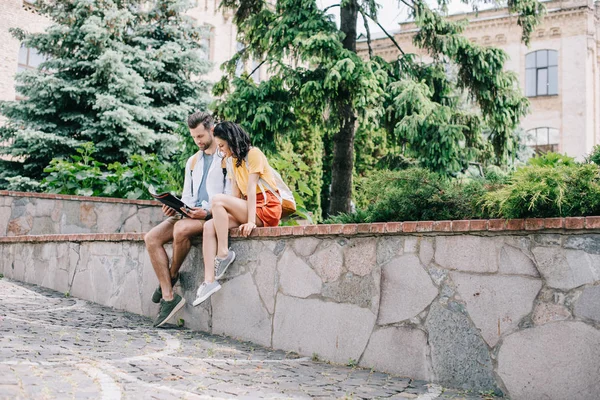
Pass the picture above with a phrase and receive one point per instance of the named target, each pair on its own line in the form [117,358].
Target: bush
[539,190]
[594,156]
[414,194]
[84,176]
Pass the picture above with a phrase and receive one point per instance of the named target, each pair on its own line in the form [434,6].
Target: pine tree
[115,75]
[318,79]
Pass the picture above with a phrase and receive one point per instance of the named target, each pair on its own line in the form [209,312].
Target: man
[204,177]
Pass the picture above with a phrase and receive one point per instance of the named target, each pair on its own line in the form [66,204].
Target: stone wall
[42,213]
[516,311]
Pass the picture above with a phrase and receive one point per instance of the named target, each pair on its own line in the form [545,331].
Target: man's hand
[168,211]
[195,212]
[246,229]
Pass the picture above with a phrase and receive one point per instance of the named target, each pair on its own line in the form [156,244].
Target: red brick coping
[78,198]
[489,225]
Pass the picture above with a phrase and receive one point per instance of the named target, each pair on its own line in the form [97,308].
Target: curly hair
[237,139]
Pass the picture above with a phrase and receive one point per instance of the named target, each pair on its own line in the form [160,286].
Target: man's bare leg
[183,233]
[155,240]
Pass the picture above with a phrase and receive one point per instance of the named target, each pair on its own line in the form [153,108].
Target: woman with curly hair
[254,203]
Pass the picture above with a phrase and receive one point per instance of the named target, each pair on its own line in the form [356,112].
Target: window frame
[547,145]
[538,70]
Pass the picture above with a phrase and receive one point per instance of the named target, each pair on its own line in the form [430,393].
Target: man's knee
[183,232]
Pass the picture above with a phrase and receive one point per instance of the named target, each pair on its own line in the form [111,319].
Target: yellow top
[257,164]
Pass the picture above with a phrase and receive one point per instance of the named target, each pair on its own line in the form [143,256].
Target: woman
[253,204]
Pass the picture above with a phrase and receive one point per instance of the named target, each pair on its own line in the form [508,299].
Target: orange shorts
[269,213]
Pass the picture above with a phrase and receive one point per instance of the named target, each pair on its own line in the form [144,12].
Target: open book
[169,200]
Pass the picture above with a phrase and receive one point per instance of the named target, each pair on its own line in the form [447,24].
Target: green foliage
[551,159]
[114,75]
[539,191]
[414,194]
[83,175]
[442,120]
[594,156]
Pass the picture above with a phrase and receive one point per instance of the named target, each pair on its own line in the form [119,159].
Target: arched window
[29,58]
[541,73]
[543,140]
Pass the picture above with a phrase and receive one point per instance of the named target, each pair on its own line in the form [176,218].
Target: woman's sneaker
[168,309]
[221,265]
[205,291]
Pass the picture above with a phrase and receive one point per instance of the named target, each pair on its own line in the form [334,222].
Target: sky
[393,12]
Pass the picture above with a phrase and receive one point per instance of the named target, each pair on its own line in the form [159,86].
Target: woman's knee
[218,200]
[209,229]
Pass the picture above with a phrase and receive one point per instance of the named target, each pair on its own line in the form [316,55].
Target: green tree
[318,80]
[115,75]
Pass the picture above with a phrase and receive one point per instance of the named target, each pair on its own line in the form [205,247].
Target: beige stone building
[221,44]
[558,71]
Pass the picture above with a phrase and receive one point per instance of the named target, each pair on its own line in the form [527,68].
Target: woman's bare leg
[209,247]
[223,208]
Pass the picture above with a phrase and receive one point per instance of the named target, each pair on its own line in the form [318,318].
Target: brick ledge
[53,196]
[457,226]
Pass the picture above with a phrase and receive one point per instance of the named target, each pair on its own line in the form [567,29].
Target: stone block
[513,261]
[127,294]
[361,291]
[361,256]
[87,214]
[336,332]
[549,312]
[400,351]
[554,361]
[265,276]
[389,247]
[566,269]
[328,261]
[467,253]
[496,304]
[411,244]
[237,311]
[588,243]
[406,289]
[19,226]
[547,239]
[426,251]
[460,358]
[588,304]
[109,218]
[5,213]
[43,226]
[296,278]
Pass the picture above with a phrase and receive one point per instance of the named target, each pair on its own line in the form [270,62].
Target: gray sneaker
[205,291]
[221,265]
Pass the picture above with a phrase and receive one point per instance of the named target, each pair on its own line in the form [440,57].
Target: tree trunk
[343,141]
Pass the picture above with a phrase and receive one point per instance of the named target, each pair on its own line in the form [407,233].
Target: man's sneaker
[157,295]
[221,265]
[205,291]
[168,309]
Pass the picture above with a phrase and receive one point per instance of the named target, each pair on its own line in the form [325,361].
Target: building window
[239,66]
[543,140]
[541,73]
[29,58]
[207,42]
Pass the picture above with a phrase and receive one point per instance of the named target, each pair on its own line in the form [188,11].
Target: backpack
[282,192]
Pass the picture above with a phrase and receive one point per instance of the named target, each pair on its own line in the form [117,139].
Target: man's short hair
[200,117]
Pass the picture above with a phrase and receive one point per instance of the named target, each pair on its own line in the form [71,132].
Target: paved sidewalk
[53,347]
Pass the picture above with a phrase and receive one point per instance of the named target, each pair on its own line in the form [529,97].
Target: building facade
[220,44]
[558,71]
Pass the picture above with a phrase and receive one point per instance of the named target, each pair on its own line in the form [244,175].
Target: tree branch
[366,22]
[258,66]
[331,6]
[374,19]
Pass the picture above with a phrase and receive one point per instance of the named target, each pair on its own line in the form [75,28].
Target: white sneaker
[205,291]
[221,265]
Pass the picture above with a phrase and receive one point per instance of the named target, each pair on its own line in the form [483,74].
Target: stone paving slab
[56,347]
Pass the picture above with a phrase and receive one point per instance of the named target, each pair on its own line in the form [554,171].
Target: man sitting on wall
[204,177]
